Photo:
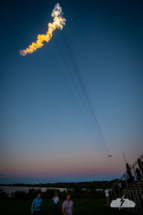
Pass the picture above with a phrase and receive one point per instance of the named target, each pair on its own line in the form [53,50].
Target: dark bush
[32,193]
[49,193]
[3,195]
[19,195]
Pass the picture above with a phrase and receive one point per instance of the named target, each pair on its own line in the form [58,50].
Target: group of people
[129,178]
[117,189]
[138,171]
[67,206]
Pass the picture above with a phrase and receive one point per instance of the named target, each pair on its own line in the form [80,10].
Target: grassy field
[82,207]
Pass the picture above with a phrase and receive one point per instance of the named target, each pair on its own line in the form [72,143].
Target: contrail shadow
[92,115]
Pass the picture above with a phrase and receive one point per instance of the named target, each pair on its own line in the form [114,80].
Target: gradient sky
[48,131]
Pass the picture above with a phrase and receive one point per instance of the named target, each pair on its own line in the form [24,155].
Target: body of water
[11,189]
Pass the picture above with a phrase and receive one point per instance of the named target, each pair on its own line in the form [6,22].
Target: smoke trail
[58,22]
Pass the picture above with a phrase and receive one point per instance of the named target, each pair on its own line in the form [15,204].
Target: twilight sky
[68,105]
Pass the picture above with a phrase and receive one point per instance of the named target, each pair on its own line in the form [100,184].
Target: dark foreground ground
[82,207]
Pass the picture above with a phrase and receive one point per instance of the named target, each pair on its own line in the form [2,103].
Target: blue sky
[83,86]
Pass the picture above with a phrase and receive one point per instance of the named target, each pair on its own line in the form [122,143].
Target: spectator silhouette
[138,172]
[120,187]
[129,171]
[140,165]
[107,196]
[115,190]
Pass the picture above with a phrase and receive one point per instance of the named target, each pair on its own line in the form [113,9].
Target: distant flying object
[109,156]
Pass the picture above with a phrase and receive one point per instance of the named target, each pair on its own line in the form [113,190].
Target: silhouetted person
[107,195]
[120,187]
[115,190]
[129,172]
[133,179]
[138,172]
[140,165]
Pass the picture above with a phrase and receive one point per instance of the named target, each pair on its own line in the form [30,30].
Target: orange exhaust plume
[58,22]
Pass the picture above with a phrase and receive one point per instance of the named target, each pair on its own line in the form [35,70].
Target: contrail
[58,22]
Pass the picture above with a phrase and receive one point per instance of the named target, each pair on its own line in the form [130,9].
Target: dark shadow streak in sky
[83,89]
[70,73]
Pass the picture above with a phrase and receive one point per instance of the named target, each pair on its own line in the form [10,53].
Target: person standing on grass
[120,187]
[67,207]
[55,203]
[115,190]
[107,196]
[36,204]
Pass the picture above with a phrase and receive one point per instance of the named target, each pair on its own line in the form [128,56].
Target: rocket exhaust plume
[58,22]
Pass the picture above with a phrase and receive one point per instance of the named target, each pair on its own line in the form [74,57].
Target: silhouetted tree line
[86,185]
[76,193]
